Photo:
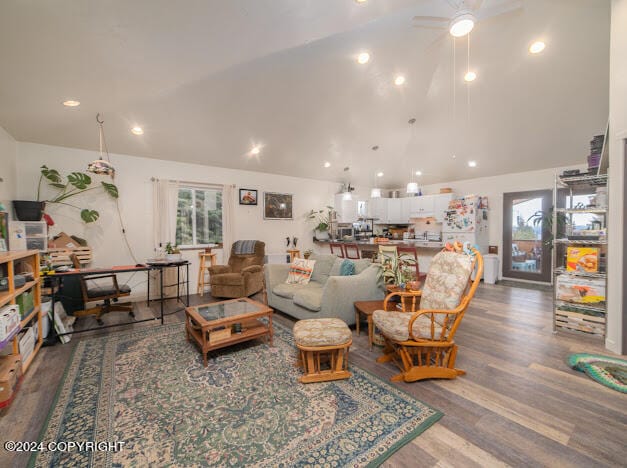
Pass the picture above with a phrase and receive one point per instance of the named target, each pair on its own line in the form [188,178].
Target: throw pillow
[347,268]
[300,271]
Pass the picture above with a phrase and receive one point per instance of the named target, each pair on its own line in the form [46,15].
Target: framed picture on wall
[277,205]
[247,196]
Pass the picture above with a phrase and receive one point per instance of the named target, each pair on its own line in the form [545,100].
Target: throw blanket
[244,247]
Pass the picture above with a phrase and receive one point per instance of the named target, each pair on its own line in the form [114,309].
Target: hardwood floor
[518,405]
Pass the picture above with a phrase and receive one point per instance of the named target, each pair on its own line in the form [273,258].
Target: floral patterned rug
[149,389]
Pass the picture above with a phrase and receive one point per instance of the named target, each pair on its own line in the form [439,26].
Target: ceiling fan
[466,13]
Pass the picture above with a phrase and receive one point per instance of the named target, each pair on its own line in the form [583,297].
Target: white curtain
[165,199]
[228,220]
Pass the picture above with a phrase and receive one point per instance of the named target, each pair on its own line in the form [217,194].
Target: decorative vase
[175,257]
[28,210]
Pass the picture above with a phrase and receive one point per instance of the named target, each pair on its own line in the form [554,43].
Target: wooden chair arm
[401,294]
[460,308]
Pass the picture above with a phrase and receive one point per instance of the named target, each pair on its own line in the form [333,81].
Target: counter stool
[204,255]
[351,251]
[323,349]
[337,249]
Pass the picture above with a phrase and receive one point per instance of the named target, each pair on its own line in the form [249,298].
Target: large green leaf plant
[73,184]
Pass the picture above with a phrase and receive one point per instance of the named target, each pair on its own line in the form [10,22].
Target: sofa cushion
[347,268]
[287,290]
[228,279]
[300,271]
[321,332]
[360,265]
[309,297]
[322,267]
[395,325]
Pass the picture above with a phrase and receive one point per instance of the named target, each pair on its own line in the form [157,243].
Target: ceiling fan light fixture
[462,23]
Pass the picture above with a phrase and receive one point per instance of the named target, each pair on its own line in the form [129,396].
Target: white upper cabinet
[394,211]
[441,205]
[405,209]
[422,207]
[378,209]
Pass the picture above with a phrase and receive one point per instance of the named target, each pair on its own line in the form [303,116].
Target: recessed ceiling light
[379,174]
[327,164]
[399,80]
[360,1]
[71,103]
[256,150]
[418,173]
[363,58]
[537,47]
[470,76]
[462,24]
[472,163]
[137,131]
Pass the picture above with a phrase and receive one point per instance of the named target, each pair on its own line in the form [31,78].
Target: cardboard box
[27,342]
[63,241]
[580,290]
[9,320]
[10,377]
[582,259]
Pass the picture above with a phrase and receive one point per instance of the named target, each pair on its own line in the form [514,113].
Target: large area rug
[149,389]
[608,371]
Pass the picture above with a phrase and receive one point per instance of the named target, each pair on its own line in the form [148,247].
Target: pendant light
[375,192]
[412,187]
[100,166]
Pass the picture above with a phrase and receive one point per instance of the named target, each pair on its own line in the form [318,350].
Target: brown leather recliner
[243,276]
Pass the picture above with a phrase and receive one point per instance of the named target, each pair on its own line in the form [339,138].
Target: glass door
[526,235]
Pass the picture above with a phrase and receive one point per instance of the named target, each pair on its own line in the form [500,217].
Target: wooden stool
[294,253]
[323,345]
[207,254]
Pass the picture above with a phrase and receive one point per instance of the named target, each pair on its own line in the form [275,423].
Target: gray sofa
[327,294]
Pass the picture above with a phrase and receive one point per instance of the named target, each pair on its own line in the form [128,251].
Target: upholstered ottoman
[323,349]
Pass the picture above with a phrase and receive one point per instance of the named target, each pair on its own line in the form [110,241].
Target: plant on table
[396,269]
[172,249]
[69,186]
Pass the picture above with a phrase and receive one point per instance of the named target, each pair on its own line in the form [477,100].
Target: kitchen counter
[420,243]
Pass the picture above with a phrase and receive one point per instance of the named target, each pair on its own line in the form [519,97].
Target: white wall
[615,339]
[8,155]
[494,188]
[133,176]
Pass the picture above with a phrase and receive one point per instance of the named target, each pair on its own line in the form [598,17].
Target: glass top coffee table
[219,324]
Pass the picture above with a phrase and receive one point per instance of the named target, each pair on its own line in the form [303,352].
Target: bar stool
[205,255]
[294,253]
[351,251]
[339,249]
[413,252]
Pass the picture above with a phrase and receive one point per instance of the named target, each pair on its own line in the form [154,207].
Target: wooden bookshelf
[8,263]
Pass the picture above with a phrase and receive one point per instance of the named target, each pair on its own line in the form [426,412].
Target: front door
[526,235]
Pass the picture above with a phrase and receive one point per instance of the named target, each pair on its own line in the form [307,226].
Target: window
[199,216]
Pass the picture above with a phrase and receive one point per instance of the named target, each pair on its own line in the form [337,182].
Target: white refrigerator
[466,220]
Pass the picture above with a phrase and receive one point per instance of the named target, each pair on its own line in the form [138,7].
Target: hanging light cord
[103,145]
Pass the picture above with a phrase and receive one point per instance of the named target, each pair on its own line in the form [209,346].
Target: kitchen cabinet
[378,208]
[346,209]
[394,211]
[422,207]
[405,209]
[440,205]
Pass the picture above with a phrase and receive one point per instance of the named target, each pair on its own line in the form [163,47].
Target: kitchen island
[426,250]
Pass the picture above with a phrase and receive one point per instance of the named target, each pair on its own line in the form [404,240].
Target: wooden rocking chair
[420,341]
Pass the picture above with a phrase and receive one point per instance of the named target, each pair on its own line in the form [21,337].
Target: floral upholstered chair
[421,341]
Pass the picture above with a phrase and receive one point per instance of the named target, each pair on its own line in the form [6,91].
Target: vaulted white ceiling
[208,79]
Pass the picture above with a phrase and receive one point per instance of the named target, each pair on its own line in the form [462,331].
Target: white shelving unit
[587,318]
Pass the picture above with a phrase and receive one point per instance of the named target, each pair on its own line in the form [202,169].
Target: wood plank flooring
[518,405]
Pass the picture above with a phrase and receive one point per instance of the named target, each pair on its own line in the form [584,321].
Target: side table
[367,308]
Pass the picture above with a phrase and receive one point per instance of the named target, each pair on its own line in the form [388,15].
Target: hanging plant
[73,184]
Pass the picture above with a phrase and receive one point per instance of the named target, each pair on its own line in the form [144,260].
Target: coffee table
[220,324]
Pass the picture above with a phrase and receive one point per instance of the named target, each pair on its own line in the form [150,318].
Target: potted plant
[307,253]
[66,187]
[321,218]
[397,270]
[172,253]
